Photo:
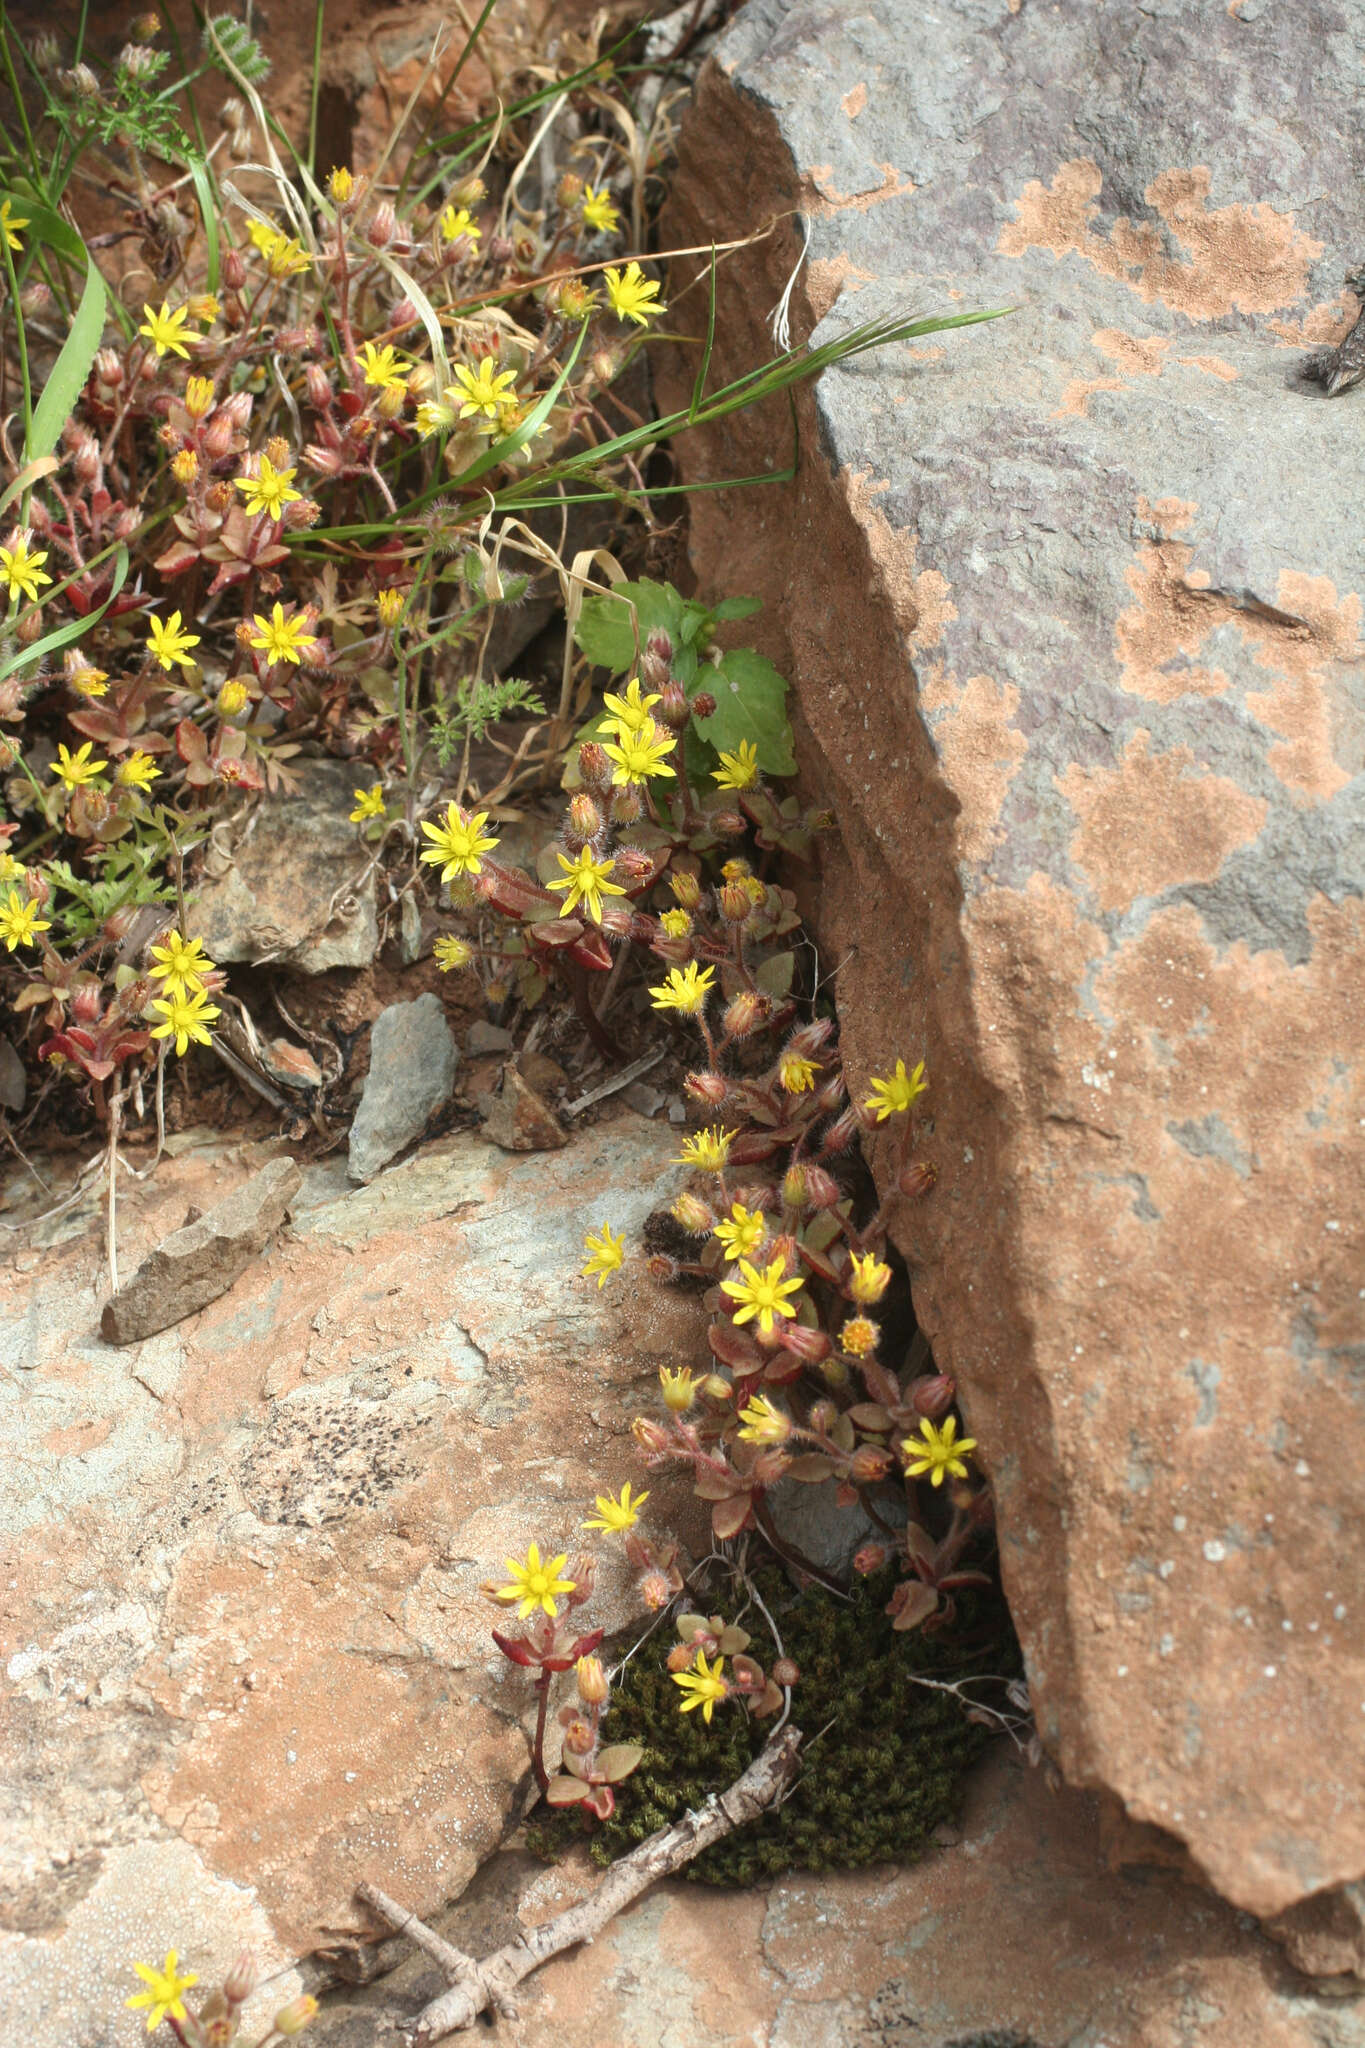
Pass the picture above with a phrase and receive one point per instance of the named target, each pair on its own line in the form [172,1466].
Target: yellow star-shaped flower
[639,755]
[685,990]
[270,490]
[164,1988]
[279,638]
[586,881]
[165,330]
[608,1252]
[893,1094]
[21,567]
[169,644]
[484,395]
[704,1685]
[613,1514]
[937,1451]
[535,1584]
[633,295]
[457,843]
[763,1295]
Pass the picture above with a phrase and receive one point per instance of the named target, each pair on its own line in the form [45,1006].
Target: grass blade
[72,367]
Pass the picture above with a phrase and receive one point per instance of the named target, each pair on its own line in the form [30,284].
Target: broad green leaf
[774,976]
[606,628]
[736,608]
[72,367]
[751,704]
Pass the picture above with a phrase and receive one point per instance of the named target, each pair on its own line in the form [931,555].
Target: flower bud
[660,1267]
[841,1133]
[932,1397]
[579,1738]
[917,1179]
[656,659]
[673,707]
[794,1188]
[704,706]
[81,82]
[651,1436]
[185,466]
[870,1558]
[294,2017]
[822,1417]
[710,1089]
[715,1388]
[233,270]
[302,513]
[30,625]
[685,887]
[835,1373]
[37,887]
[749,1011]
[242,1979]
[628,804]
[109,368]
[383,225]
[571,298]
[593,1689]
[868,1465]
[569,190]
[859,1336]
[594,767]
[655,1591]
[319,387]
[810,1346]
[35,298]
[585,820]
[341,186]
[693,1215]
[233,697]
[470,191]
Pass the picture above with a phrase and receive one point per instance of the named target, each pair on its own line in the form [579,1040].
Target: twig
[617,1081]
[478,1987]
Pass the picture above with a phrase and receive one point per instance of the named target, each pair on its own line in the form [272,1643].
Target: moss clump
[874,1784]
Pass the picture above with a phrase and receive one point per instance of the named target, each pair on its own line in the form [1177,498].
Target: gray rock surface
[201,1260]
[412,1071]
[291,886]
[1072,603]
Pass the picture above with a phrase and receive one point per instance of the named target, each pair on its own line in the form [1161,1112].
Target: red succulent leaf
[515,1648]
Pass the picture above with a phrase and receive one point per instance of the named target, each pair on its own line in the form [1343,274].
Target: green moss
[874,1784]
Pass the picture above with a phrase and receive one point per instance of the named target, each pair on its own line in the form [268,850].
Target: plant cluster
[216,2022]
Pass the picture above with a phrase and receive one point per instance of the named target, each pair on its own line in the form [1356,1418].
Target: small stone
[13,1080]
[520,1122]
[540,1072]
[200,1261]
[643,1099]
[412,1072]
[484,1037]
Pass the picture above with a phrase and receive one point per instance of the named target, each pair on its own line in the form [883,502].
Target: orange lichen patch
[921,596]
[1152,822]
[1078,394]
[827,276]
[78,1437]
[1238,258]
[1172,617]
[1311,700]
[1329,323]
[1135,355]
[1212,366]
[854,101]
[980,750]
[828,199]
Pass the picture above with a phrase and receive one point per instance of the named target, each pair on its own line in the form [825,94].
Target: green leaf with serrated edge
[606,627]
[751,704]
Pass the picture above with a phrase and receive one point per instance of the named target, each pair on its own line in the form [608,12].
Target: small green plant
[216,2020]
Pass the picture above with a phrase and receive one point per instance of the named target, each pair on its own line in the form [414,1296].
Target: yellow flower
[233,697]
[263,234]
[630,712]
[369,803]
[280,638]
[169,644]
[434,417]
[163,1993]
[164,330]
[631,294]
[10,223]
[457,221]
[75,770]
[19,920]
[704,1685]
[679,1388]
[90,682]
[685,990]
[457,843]
[268,492]
[738,770]
[639,755]
[389,605]
[10,868]
[599,213]
[384,368]
[870,1278]
[284,257]
[341,185]
[895,1093]
[676,923]
[185,466]
[180,964]
[185,1017]
[935,1451]
[608,1252]
[535,1584]
[859,1337]
[763,1423]
[617,1514]
[762,1294]
[586,881]
[21,567]
[796,1074]
[707,1150]
[483,396]
[139,771]
[450,952]
[198,396]
[742,1231]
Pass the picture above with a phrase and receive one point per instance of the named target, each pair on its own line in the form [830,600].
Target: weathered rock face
[412,1071]
[1071,602]
[247,1660]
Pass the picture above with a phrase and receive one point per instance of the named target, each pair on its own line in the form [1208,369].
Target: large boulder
[247,1662]
[1071,604]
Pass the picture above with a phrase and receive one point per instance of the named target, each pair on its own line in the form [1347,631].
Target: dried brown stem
[479,1987]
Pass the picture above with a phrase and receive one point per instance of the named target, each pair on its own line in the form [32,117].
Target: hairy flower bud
[656,659]
[585,820]
[693,1215]
[933,1396]
[651,1436]
[579,1738]
[592,1681]
[627,804]
[294,2017]
[685,887]
[673,707]
[748,1011]
[868,1465]
[81,82]
[383,225]
[35,298]
[704,706]
[242,1979]
[30,625]
[569,190]
[794,1192]
[237,409]
[870,1558]
[318,386]
[233,270]
[822,1417]
[594,767]
[841,1133]
[470,191]
[917,1179]
[810,1346]
[655,1591]
[711,1089]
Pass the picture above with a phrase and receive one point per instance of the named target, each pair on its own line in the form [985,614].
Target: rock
[483,1037]
[1072,606]
[13,1079]
[247,1661]
[1325,1937]
[200,1261]
[1018,1936]
[412,1071]
[519,1121]
[292,886]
